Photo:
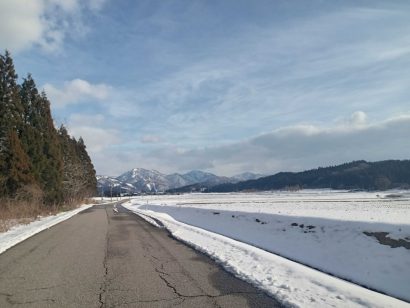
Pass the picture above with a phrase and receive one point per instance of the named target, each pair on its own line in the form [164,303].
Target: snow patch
[22,232]
[322,229]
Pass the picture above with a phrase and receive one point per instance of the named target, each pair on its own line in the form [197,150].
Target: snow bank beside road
[312,230]
[21,232]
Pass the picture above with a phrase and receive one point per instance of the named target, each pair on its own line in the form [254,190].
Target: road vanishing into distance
[100,258]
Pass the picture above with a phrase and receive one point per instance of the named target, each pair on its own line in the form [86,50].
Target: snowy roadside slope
[21,232]
[291,283]
[334,246]
[362,237]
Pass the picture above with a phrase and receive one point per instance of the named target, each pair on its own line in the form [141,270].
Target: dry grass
[27,206]
[14,212]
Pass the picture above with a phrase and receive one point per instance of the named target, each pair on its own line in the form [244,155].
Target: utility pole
[111,192]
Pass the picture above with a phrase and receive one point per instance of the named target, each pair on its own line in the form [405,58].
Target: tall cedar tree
[79,178]
[89,177]
[14,162]
[32,152]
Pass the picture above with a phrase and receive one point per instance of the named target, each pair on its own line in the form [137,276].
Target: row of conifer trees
[38,162]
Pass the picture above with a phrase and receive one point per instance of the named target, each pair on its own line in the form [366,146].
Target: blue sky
[222,86]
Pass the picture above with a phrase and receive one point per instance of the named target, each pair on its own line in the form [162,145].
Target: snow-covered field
[19,233]
[362,237]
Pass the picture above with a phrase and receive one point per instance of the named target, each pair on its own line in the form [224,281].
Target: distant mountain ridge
[140,180]
[361,174]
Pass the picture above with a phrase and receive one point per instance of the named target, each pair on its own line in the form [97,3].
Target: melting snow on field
[277,240]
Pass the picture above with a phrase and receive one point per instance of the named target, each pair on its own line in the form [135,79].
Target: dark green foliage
[12,159]
[88,177]
[11,108]
[40,141]
[15,164]
[34,156]
[355,175]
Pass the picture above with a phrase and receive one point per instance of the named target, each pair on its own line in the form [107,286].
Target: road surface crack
[9,300]
[45,288]
[159,267]
[152,301]
[169,285]
[7,296]
[35,301]
[177,293]
[103,287]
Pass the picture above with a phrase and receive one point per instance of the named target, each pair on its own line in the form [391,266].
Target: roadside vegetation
[42,169]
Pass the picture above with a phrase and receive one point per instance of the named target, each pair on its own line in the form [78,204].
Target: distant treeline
[38,162]
[361,175]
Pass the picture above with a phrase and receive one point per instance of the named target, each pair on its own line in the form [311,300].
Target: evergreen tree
[32,137]
[11,109]
[89,176]
[29,96]
[51,163]
[14,164]
[70,165]
[79,174]
[35,158]
[3,130]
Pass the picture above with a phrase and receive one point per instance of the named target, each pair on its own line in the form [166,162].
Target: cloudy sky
[222,86]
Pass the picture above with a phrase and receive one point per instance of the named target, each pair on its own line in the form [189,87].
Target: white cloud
[291,148]
[97,137]
[44,23]
[358,118]
[76,91]
[21,24]
[302,147]
[150,139]
[85,119]
[314,69]
[65,5]
[96,5]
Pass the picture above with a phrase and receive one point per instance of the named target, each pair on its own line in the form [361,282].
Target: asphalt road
[100,258]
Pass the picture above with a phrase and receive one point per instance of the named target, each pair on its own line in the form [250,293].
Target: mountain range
[356,175]
[140,180]
[360,175]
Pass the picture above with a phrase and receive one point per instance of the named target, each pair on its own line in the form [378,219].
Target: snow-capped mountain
[145,180]
[177,180]
[108,184]
[197,176]
[104,180]
[139,180]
